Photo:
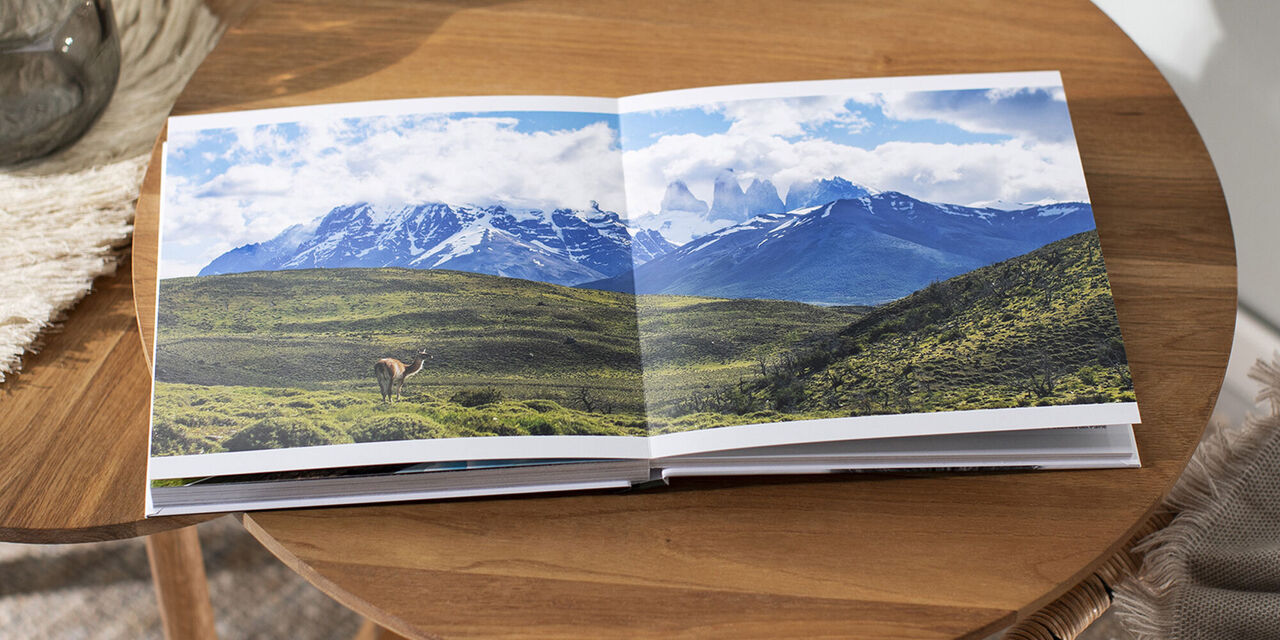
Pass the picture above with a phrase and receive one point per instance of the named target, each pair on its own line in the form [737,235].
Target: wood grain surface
[883,556]
[73,429]
[182,590]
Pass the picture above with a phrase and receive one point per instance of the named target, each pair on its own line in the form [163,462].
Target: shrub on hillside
[542,406]
[203,420]
[280,433]
[338,401]
[538,425]
[476,397]
[399,427]
[169,441]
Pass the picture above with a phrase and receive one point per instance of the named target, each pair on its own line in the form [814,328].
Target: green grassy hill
[693,344]
[251,359]
[1039,329]
[315,327]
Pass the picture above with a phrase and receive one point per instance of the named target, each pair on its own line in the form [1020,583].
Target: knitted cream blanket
[66,219]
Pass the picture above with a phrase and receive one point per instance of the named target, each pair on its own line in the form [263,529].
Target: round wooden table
[881,556]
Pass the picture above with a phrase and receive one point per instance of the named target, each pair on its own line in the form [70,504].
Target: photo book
[448,297]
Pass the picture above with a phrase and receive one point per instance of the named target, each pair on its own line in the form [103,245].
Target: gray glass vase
[59,61]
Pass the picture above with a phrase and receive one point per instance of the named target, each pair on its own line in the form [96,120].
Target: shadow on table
[298,47]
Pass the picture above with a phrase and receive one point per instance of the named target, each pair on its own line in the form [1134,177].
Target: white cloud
[789,117]
[263,140]
[249,180]
[957,173]
[767,139]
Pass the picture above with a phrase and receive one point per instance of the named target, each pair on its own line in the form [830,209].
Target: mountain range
[835,243]
[863,250]
[560,246]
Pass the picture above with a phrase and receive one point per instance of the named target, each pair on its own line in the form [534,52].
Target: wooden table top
[73,429]
[872,557]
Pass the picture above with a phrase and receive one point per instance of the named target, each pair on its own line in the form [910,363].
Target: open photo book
[447,297]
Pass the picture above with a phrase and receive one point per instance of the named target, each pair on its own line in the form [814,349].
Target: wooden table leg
[371,631]
[177,569]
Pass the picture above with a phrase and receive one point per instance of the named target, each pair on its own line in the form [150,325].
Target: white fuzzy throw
[68,218]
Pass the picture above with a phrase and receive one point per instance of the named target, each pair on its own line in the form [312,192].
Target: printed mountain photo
[516,273]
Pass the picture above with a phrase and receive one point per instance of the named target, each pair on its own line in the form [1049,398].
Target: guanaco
[391,374]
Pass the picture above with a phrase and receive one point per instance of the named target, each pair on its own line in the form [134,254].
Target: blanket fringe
[1213,475]
[70,216]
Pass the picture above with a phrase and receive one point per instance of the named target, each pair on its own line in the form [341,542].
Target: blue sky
[229,187]
[645,128]
[214,151]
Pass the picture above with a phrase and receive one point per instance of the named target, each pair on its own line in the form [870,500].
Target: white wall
[1222,57]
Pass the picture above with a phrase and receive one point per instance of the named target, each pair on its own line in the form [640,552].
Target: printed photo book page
[444,297]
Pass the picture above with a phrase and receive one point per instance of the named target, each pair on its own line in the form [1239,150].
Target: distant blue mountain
[819,192]
[261,256]
[865,250]
[678,199]
[762,197]
[730,202]
[560,246]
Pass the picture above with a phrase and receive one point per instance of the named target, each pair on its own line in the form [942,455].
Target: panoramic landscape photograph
[526,273]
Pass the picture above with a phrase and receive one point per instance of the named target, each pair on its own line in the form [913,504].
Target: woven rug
[103,591]
[67,218]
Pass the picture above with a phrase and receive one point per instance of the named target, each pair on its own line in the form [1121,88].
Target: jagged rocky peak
[728,202]
[822,191]
[679,198]
[762,197]
[561,245]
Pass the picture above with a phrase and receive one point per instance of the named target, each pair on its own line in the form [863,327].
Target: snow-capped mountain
[816,192]
[1006,205]
[262,255]
[865,250]
[561,246]
[647,244]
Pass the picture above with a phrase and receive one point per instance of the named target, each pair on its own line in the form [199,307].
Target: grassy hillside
[271,359]
[318,327]
[202,419]
[288,356]
[692,344]
[1039,329]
